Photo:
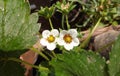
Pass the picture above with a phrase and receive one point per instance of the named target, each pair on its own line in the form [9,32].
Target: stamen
[51,39]
[67,38]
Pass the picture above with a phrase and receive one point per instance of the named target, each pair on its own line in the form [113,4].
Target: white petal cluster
[66,38]
[49,38]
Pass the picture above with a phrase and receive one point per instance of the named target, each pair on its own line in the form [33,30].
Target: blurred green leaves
[94,9]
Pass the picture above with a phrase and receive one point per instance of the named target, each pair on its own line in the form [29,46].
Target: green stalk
[43,68]
[53,53]
[24,62]
[48,54]
[51,25]
[67,22]
[19,60]
[63,17]
[40,53]
[84,44]
[88,20]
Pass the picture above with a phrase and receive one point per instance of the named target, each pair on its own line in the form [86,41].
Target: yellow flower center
[67,38]
[51,38]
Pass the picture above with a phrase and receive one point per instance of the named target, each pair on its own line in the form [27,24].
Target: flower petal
[51,46]
[75,42]
[54,32]
[73,32]
[60,41]
[43,42]
[62,33]
[45,33]
[68,46]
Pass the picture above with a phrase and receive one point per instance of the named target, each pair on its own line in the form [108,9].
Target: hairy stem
[40,53]
[67,22]
[51,25]
[84,44]
[24,62]
[53,53]
[63,17]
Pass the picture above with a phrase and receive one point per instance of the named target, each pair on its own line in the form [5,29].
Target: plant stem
[63,17]
[48,54]
[24,62]
[19,60]
[43,68]
[88,20]
[67,22]
[84,44]
[51,25]
[96,25]
[40,53]
[53,53]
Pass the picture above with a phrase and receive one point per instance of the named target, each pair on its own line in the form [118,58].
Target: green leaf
[78,64]
[44,73]
[10,68]
[17,26]
[114,62]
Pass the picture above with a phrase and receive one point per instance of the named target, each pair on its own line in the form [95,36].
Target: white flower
[49,39]
[68,39]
